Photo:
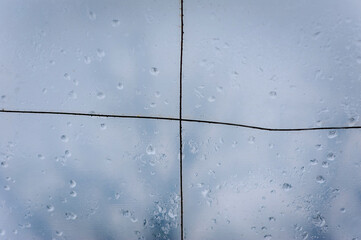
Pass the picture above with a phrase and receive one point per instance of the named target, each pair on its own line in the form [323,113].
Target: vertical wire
[180,122]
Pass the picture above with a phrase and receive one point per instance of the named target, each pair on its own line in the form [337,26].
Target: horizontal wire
[88,114]
[178,119]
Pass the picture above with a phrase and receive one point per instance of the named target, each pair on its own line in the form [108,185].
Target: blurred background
[275,64]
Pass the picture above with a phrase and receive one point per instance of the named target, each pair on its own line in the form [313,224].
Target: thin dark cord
[270,129]
[183,120]
[180,122]
[88,114]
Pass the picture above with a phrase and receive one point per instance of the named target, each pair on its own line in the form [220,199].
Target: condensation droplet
[6,187]
[320,179]
[72,184]
[332,134]
[318,220]
[70,216]
[92,15]
[117,196]
[212,99]
[273,94]
[115,22]
[72,95]
[120,86]
[251,139]
[73,193]
[67,153]
[286,186]
[67,76]
[150,150]
[268,237]
[318,146]
[353,120]
[331,156]
[154,71]
[87,60]
[64,138]
[100,95]
[343,210]
[313,161]
[50,208]
[325,164]
[4,164]
[103,126]
[100,53]
[304,236]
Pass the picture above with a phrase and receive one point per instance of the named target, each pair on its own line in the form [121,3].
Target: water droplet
[72,95]
[100,95]
[154,71]
[220,89]
[50,208]
[67,153]
[67,76]
[133,219]
[304,236]
[343,210]
[100,53]
[325,164]
[157,94]
[2,232]
[332,134]
[115,22]
[316,34]
[70,216]
[150,150]
[59,233]
[125,213]
[153,105]
[117,196]
[4,164]
[273,94]
[72,183]
[318,146]
[251,139]
[211,99]
[272,219]
[320,179]
[171,214]
[44,91]
[318,220]
[120,86]
[92,15]
[313,161]
[103,126]
[286,186]
[331,156]
[353,120]
[268,237]
[6,187]
[87,60]
[73,193]
[64,138]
